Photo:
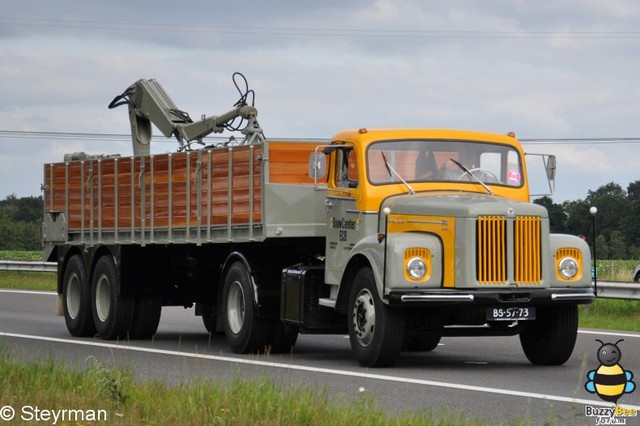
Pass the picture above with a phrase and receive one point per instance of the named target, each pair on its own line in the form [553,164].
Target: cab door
[343,217]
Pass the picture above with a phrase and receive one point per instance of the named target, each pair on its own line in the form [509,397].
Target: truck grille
[492,248]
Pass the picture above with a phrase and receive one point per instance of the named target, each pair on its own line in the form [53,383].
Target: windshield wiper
[393,172]
[466,171]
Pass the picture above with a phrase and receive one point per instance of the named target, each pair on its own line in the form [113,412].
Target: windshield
[443,161]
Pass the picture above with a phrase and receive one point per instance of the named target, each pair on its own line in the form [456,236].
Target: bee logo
[609,381]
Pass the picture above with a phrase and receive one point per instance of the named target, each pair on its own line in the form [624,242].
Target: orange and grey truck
[396,237]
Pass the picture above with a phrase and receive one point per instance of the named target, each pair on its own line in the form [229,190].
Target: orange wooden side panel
[188,189]
[178,190]
[289,161]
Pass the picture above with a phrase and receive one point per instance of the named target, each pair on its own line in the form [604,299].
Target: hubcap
[103,298]
[364,317]
[73,296]
[235,307]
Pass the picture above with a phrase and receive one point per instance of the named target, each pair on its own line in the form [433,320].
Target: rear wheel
[76,297]
[146,318]
[282,338]
[112,312]
[550,339]
[210,319]
[245,332]
[376,331]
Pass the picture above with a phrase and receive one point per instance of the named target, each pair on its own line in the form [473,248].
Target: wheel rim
[73,296]
[364,317]
[103,298]
[235,307]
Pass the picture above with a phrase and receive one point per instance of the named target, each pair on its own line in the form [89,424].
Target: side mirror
[550,166]
[317,165]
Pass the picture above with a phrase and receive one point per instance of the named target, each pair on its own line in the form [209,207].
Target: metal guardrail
[606,289]
[27,266]
[618,290]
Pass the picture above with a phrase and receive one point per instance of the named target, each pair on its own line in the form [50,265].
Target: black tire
[245,332]
[76,299]
[146,318]
[210,319]
[421,343]
[636,278]
[282,338]
[376,331]
[112,313]
[550,339]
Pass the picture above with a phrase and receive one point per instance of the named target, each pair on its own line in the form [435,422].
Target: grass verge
[118,398]
[611,314]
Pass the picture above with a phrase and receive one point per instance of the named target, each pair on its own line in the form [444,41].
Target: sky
[563,76]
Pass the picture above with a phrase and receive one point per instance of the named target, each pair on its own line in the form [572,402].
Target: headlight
[416,268]
[568,268]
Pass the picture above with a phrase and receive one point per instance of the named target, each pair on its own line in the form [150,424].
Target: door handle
[328,205]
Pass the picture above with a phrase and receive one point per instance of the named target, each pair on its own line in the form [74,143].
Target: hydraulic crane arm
[149,103]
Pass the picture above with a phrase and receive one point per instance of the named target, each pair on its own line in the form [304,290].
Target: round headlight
[568,268]
[416,268]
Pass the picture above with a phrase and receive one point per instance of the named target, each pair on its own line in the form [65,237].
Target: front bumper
[531,297]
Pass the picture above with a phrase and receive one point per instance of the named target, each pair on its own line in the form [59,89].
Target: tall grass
[616,270]
[55,386]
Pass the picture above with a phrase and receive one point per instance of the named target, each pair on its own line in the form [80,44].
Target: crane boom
[148,103]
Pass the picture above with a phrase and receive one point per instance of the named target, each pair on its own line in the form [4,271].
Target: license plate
[511,314]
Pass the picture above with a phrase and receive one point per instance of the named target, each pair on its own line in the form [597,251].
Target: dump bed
[229,194]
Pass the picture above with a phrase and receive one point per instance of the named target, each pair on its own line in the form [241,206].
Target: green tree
[612,203]
[557,216]
[630,223]
[20,223]
[578,219]
[602,248]
[617,246]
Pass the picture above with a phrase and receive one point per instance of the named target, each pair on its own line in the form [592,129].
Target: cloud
[541,69]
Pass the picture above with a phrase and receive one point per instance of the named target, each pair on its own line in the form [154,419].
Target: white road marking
[609,333]
[46,293]
[331,371]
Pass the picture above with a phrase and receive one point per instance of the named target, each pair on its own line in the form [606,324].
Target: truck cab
[433,231]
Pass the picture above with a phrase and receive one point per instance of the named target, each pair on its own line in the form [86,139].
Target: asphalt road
[489,378]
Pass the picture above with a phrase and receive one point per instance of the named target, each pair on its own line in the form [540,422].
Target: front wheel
[550,339]
[421,343]
[245,332]
[376,331]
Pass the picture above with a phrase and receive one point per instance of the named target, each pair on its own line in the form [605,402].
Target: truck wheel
[549,340]
[282,338]
[210,319]
[245,332]
[146,318]
[376,331]
[112,313]
[421,343]
[76,296]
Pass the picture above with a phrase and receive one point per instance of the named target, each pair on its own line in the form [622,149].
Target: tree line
[617,221]
[21,223]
